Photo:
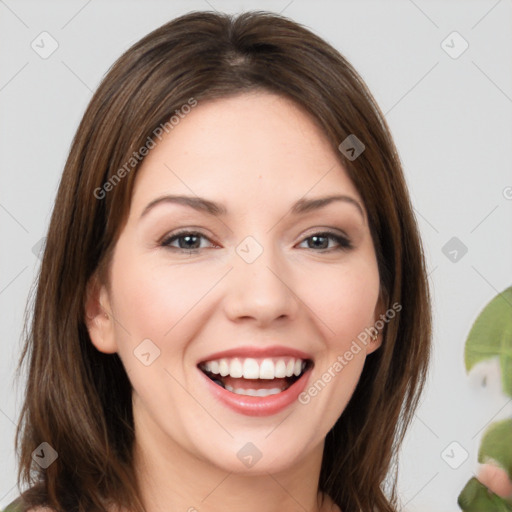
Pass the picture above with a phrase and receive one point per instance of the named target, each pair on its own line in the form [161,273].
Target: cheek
[345,300]
[155,300]
[142,300]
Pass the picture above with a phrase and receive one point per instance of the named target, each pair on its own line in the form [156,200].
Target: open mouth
[256,377]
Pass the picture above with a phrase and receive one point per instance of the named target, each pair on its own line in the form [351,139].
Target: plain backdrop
[449,109]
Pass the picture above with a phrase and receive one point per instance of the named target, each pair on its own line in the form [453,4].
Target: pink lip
[258,352]
[258,405]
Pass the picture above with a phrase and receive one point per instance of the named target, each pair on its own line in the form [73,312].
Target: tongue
[255,383]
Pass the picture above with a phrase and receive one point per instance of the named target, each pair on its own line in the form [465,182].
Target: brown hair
[78,399]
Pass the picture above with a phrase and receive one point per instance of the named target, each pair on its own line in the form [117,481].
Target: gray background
[451,120]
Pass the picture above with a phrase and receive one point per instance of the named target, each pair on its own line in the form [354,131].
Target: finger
[496,479]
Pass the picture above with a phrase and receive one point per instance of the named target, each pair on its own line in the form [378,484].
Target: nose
[260,286]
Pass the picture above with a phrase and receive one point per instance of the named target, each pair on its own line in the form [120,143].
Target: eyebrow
[302,206]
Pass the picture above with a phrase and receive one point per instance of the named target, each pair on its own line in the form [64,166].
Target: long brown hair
[78,400]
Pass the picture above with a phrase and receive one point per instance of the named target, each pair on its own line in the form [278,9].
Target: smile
[255,376]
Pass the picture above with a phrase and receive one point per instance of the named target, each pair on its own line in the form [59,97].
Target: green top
[14,506]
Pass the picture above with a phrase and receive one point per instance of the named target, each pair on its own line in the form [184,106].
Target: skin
[496,479]
[257,153]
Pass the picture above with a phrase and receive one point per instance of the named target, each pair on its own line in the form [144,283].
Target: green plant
[491,336]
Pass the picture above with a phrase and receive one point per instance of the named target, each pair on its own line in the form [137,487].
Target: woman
[232,310]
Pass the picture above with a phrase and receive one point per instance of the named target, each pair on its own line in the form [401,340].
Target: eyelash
[344,243]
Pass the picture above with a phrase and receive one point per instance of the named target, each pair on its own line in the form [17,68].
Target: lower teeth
[248,392]
[253,392]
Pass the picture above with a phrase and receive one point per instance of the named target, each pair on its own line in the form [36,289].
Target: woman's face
[258,288]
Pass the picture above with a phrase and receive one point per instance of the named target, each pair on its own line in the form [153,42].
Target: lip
[258,352]
[258,405]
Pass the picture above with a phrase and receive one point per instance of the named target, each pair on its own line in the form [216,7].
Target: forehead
[255,147]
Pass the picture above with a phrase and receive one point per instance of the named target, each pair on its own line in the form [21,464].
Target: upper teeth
[249,368]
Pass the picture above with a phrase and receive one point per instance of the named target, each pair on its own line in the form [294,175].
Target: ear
[378,323]
[98,316]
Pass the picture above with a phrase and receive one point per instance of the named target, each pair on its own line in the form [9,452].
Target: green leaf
[491,336]
[497,445]
[475,497]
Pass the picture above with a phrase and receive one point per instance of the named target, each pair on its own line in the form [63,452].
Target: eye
[190,241]
[187,241]
[318,241]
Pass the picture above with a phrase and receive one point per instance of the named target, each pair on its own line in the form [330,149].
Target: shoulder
[17,506]
[14,506]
